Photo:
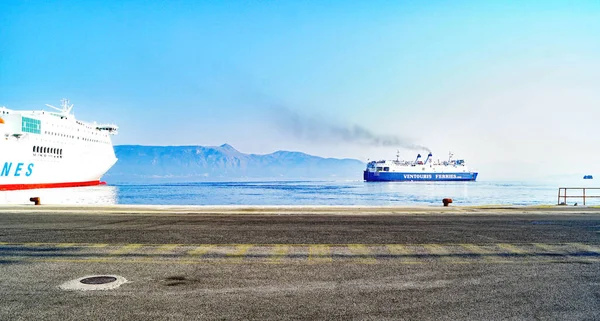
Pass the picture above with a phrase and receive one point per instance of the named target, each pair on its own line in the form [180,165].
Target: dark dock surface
[241,262]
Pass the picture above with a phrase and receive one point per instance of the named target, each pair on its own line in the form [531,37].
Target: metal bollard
[446,201]
[35,200]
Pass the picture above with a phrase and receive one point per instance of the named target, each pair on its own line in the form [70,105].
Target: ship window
[379,168]
[30,125]
[386,169]
[34,149]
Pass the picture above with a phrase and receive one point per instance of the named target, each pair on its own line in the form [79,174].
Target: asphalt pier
[296,262]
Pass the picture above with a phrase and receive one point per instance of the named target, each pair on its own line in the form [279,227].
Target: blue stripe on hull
[392,176]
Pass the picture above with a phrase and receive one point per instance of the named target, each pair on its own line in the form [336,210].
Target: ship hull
[78,167]
[409,177]
[13,187]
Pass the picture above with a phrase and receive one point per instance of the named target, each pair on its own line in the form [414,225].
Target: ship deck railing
[578,193]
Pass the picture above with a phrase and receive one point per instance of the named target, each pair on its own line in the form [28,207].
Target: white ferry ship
[45,149]
[429,170]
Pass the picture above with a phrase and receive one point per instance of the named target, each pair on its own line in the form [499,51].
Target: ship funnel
[418,156]
[428,157]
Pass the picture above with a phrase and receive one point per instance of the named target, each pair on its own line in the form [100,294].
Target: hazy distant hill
[217,163]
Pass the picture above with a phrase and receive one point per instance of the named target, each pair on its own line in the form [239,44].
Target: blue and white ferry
[418,170]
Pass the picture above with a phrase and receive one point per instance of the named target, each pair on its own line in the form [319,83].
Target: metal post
[584,196]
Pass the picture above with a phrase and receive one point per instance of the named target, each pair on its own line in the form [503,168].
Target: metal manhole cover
[94,282]
[98,280]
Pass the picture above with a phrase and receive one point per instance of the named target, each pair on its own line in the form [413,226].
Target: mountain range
[223,163]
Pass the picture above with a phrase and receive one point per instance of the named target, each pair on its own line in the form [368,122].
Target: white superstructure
[40,149]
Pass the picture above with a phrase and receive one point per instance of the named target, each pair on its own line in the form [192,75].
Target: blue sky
[512,86]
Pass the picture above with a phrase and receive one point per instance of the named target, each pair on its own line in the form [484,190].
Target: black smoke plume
[319,130]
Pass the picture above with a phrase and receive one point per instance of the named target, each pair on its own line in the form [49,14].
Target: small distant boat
[588,177]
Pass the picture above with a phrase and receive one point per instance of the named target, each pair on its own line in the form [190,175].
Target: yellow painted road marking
[361,250]
[166,248]
[319,253]
[159,251]
[240,251]
[97,245]
[511,248]
[403,251]
[126,249]
[66,244]
[279,251]
[323,253]
[487,255]
[441,252]
[121,260]
[548,249]
[398,249]
[564,252]
[200,250]
[586,247]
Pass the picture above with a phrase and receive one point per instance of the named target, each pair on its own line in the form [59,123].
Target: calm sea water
[309,193]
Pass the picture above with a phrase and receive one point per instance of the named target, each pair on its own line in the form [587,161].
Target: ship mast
[66,109]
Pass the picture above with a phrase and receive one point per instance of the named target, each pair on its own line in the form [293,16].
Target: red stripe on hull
[12,187]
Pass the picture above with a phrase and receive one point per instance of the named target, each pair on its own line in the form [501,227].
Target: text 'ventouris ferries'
[418,170]
[43,149]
